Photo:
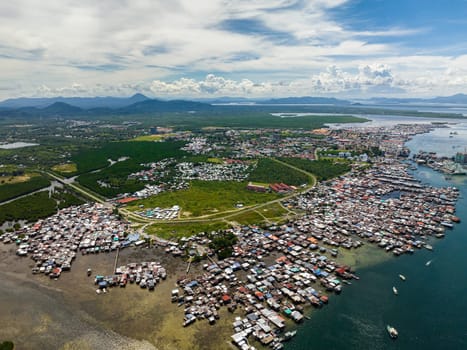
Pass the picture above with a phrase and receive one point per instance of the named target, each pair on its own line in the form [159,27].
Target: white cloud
[122,46]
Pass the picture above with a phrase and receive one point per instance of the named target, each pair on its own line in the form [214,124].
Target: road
[208,218]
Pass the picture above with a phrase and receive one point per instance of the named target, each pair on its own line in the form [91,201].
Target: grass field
[65,168]
[152,138]
[206,197]
[177,230]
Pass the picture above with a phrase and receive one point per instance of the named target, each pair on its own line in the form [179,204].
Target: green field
[177,230]
[322,169]
[16,189]
[206,197]
[269,171]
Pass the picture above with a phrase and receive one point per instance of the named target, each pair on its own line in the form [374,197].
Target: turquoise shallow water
[430,311]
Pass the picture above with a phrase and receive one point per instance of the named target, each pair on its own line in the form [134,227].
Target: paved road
[209,218]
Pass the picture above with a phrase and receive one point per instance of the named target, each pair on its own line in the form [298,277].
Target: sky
[242,48]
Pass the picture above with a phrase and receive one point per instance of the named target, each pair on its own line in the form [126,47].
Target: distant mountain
[454,99]
[306,100]
[165,106]
[228,100]
[61,108]
[81,102]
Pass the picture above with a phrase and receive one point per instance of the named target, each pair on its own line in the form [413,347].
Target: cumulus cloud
[264,47]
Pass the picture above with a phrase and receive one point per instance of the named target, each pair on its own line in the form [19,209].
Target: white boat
[289,335]
[392,331]
[428,263]
[394,289]
[402,277]
[429,247]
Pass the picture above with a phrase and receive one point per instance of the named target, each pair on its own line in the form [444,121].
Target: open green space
[269,171]
[322,169]
[205,197]
[174,230]
[247,218]
[30,182]
[65,168]
[152,138]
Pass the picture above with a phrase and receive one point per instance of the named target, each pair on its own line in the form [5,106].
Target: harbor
[424,312]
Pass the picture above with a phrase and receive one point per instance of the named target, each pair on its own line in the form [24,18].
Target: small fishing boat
[429,247]
[392,331]
[289,335]
[402,277]
[394,289]
[428,263]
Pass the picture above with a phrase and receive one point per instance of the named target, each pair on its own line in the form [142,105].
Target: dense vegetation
[322,169]
[222,243]
[206,197]
[7,345]
[115,177]
[269,171]
[30,208]
[9,191]
[138,152]
[36,206]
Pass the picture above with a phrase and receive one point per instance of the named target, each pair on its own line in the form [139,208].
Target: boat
[392,331]
[402,277]
[428,263]
[289,335]
[394,289]
[429,247]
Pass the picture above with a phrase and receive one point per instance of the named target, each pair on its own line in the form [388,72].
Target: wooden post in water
[116,260]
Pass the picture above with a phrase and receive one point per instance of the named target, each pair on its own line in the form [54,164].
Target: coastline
[131,317]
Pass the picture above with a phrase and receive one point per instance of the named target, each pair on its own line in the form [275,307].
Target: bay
[430,310]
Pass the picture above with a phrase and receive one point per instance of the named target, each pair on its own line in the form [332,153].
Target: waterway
[430,310]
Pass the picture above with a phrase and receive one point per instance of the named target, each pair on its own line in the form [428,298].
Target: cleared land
[206,197]
[172,230]
[65,168]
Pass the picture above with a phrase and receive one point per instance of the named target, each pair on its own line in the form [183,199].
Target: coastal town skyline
[339,48]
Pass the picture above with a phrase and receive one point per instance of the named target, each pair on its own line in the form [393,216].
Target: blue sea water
[430,311]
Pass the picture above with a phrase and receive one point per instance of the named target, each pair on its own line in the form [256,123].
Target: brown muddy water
[39,313]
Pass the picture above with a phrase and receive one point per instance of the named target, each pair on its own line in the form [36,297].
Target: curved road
[209,218]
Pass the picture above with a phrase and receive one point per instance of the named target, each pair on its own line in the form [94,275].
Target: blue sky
[249,48]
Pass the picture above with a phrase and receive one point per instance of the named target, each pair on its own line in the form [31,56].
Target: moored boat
[402,277]
[394,289]
[428,263]
[392,331]
[289,335]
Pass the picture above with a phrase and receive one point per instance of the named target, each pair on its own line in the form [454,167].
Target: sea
[430,310]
